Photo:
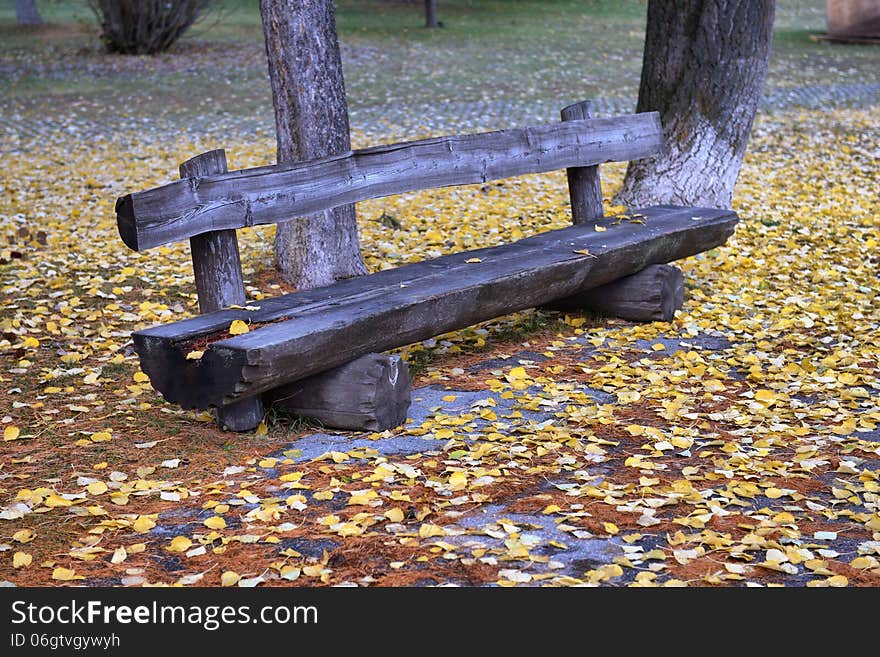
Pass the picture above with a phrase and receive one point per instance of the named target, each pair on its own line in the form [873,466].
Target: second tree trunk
[311,120]
[704,68]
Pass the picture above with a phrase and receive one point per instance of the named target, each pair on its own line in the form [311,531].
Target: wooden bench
[297,342]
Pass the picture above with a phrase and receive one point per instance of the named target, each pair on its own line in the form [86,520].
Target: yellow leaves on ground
[290,573]
[143,524]
[766,396]
[363,497]
[603,573]
[229,578]
[724,445]
[628,396]
[394,515]
[21,560]
[54,500]
[65,574]
[215,522]
[428,530]
[458,481]
[23,535]
[180,544]
[238,327]
[97,488]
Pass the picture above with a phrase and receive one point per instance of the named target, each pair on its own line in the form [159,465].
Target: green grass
[507,51]
[283,423]
[477,18]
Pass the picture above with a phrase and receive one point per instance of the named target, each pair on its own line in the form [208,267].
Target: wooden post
[370,393]
[219,282]
[651,295]
[584,187]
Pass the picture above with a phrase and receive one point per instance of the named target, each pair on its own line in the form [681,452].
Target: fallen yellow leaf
[394,515]
[238,327]
[427,530]
[65,574]
[179,544]
[21,560]
[97,488]
[215,522]
[229,578]
[23,536]
[143,524]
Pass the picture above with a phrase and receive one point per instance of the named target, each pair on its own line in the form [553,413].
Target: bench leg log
[584,185]
[220,283]
[370,393]
[651,295]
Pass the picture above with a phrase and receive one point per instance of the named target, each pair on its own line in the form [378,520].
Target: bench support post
[584,186]
[370,393]
[219,282]
[651,295]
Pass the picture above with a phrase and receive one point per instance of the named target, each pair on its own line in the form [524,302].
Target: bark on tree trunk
[311,120]
[26,12]
[704,67]
[431,13]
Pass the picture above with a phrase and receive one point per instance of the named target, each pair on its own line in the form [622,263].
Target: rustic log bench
[314,350]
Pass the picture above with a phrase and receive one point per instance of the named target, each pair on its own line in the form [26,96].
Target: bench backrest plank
[274,194]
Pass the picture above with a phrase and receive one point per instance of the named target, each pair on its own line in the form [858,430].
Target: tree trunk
[311,120]
[431,13]
[704,67]
[26,12]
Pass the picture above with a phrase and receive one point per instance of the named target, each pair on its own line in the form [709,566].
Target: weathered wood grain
[280,193]
[370,393]
[215,256]
[651,295]
[584,185]
[330,326]
[219,282]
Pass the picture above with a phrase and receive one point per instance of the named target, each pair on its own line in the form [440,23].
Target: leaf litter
[744,452]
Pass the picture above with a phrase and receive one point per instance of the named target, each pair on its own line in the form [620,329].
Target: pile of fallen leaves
[737,444]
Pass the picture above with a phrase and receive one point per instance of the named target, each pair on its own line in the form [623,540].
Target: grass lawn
[493,53]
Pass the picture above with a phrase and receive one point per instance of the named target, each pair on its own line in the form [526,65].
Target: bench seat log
[651,295]
[279,193]
[370,393]
[312,331]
